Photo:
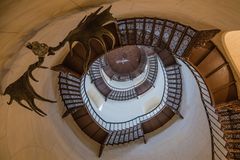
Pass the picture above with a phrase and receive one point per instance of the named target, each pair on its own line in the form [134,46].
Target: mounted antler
[90,27]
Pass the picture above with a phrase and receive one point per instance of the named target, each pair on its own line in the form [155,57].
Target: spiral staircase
[172,42]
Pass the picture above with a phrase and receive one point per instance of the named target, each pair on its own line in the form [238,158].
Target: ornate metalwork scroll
[205,36]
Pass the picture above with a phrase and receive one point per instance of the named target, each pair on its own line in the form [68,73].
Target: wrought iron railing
[117,88]
[114,126]
[219,150]
[152,65]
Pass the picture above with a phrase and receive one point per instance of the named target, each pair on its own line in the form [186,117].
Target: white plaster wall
[25,135]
